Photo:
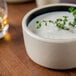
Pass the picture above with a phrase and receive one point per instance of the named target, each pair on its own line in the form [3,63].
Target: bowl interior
[47,10]
[44,10]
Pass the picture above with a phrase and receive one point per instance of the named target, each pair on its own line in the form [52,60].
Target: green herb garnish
[50,21]
[60,22]
[38,24]
[71,9]
[45,22]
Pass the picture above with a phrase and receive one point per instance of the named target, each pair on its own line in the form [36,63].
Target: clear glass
[3,18]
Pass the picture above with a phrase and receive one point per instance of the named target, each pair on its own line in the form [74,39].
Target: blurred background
[43,2]
[68,1]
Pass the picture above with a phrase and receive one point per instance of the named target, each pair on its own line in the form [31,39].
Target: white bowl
[53,53]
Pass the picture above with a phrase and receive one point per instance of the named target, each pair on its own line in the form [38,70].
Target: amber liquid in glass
[3,23]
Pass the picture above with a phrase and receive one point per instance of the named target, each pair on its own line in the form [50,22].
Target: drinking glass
[45,2]
[3,18]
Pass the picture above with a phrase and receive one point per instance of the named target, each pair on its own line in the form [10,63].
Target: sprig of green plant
[45,22]
[73,11]
[65,19]
[60,22]
[38,24]
[73,24]
[50,21]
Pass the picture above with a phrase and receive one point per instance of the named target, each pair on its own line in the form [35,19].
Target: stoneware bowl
[53,53]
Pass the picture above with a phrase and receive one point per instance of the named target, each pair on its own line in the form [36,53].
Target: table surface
[14,60]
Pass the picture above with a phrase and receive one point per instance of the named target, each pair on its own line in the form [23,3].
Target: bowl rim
[25,28]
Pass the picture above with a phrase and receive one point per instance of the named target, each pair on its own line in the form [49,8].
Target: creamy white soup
[51,31]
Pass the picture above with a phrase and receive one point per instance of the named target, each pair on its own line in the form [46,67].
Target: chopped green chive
[45,22]
[50,21]
[71,9]
[60,22]
[37,21]
[38,24]
[74,12]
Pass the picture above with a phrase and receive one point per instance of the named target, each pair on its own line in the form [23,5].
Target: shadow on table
[65,70]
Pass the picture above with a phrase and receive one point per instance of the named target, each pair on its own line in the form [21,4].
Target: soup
[51,31]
